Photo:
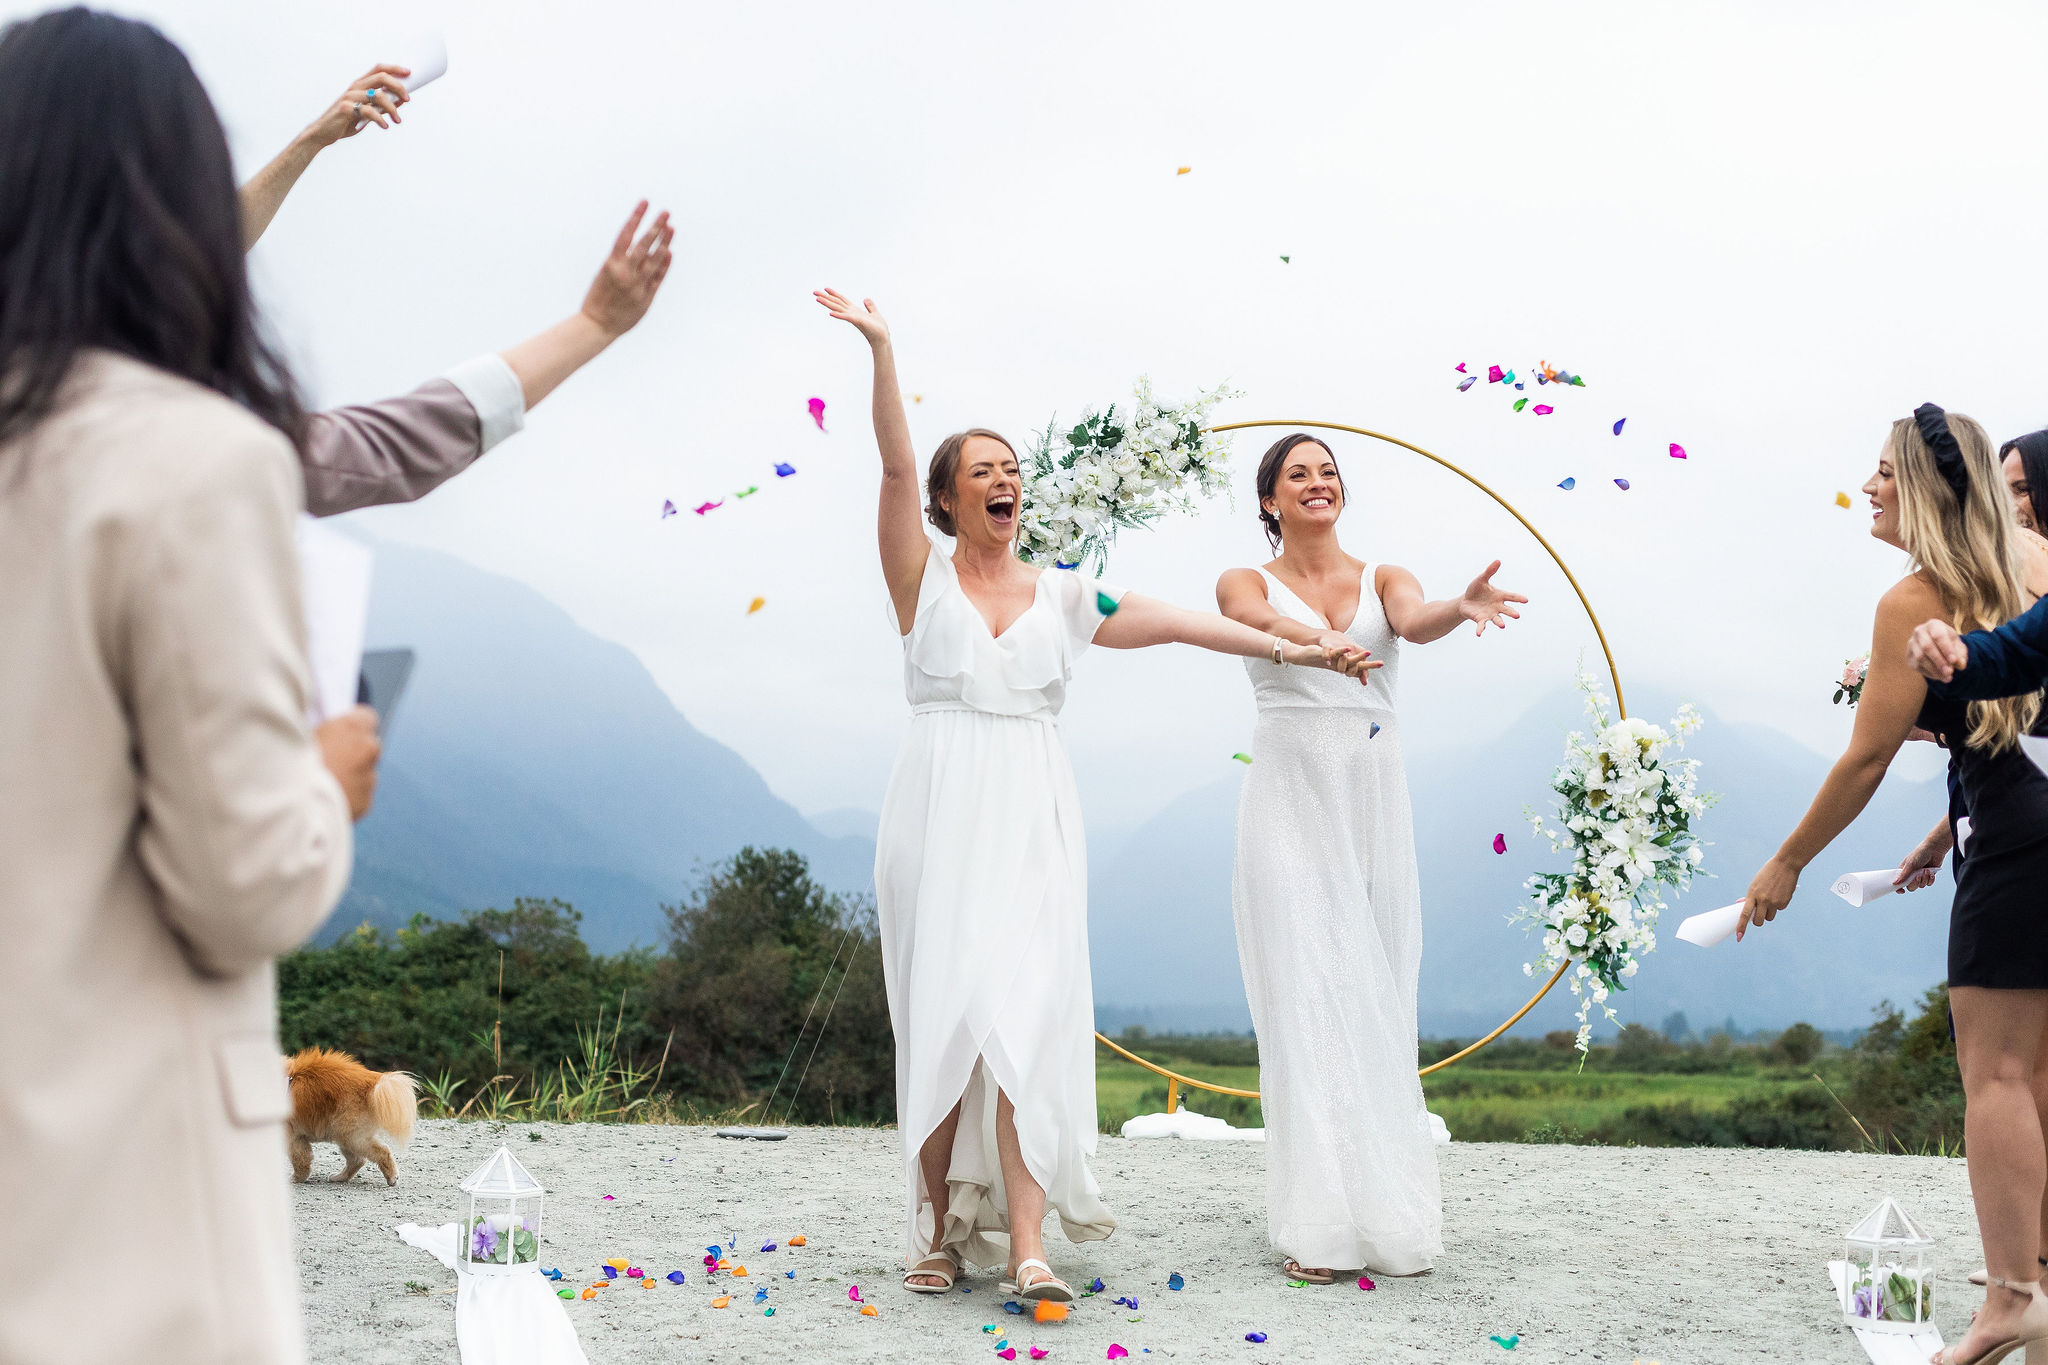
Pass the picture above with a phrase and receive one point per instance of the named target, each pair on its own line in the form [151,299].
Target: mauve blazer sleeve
[2009,661]
[401,449]
[242,829]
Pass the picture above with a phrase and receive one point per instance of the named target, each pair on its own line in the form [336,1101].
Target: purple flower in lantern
[483,1243]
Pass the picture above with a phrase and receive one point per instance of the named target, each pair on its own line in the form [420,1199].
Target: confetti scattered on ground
[1287,260]
[721,1301]
[797,1241]
[748,491]
[817,406]
[1174,1281]
[853,1292]
[1039,1353]
[867,1310]
[1048,1311]
[1520,403]
[1255,1337]
[1012,1306]
[1007,1353]
[1115,1352]
[1364,1283]
[1507,1343]
[675,1277]
[1500,843]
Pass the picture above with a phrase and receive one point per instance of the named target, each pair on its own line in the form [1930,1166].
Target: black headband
[1948,456]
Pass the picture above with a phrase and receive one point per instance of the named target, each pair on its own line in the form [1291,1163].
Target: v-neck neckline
[1356,608]
[1004,634]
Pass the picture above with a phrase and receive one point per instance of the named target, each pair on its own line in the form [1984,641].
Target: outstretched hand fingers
[623,243]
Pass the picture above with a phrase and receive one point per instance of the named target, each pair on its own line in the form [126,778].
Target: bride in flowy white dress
[1325,894]
[980,862]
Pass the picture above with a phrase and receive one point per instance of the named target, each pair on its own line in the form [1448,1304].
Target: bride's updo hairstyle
[945,468]
[1269,480]
[1955,518]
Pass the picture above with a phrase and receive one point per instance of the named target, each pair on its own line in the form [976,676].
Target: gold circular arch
[1174,1080]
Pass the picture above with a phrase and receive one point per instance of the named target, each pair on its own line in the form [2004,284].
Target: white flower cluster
[1625,812]
[1115,470]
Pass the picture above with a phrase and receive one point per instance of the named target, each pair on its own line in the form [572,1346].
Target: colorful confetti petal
[748,491]
[565,1293]
[789,1274]
[853,1292]
[1518,389]
[1494,374]
[721,1301]
[1366,1284]
[1255,1337]
[635,1273]
[1012,1306]
[739,1270]
[759,602]
[1287,260]
[1182,170]
[1245,759]
[552,1273]
[767,1312]
[1130,1302]
[611,1272]
[1115,1352]
[1467,382]
[1105,604]
[753,607]
[1677,451]
[1374,732]
[1543,409]
[700,509]
[590,1293]
[1047,1311]
[817,406]
[796,1241]
[867,1310]
[1619,423]
[1568,484]
[1622,484]
[760,1296]
[1461,367]
[1174,1281]
[1841,499]
[1039,1353]
[1098,1286]
[1007,1353]
[1500,843]
[989,1328]
[668,509]
[1507,1343]
[674,1277]
[783,471]
[1520,403]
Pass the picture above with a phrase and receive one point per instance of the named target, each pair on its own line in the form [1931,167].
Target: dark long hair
[2033,449]
[119,225]
[1269,479]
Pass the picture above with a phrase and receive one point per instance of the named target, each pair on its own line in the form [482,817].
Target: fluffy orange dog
[337,1099]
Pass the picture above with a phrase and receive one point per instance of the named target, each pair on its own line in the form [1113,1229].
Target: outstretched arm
[1419,622]
[618,298]
[1241,595]
[900,523]
[1892,695]
[2009,661]
[374,97]
[1142,621]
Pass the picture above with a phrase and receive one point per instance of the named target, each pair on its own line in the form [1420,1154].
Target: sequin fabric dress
[1329,932]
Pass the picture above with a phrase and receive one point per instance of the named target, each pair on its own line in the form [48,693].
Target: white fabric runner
[501,1319]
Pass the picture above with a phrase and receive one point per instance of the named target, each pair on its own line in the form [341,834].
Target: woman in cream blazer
[167,825]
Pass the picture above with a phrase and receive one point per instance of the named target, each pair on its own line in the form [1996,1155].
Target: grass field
[1477,1103]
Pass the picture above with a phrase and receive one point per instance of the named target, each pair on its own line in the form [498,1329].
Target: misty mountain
[530,758]
[1164,947]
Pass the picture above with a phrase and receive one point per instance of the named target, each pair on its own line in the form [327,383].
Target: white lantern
[1890,1284]
[500,1235]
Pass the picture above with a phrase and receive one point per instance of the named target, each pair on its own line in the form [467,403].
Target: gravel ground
[1682,1256]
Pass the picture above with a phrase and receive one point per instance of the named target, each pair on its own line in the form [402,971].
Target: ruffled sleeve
[1081,601]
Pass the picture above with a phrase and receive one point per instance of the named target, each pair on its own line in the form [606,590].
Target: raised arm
[1142,621]
[1419,622]
[900,523]
[374,97]
[2008,661]
[1892,696]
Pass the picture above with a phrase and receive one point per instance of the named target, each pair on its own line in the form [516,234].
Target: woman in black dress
[1939,496]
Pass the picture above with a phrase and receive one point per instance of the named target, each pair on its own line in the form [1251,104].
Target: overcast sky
[1760,230]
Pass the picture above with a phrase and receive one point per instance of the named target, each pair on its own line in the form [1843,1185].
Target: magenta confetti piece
[1461,367]
[634,1272]
[1115,1352]
[1467,382]
[853,1292]
[818,412]
[1007,1353]
[1618,425]
[700,509]
[1622,484]
[1677,451]
[783,471]
[668,509]
[1494,374]
[1568,483]
[1500,843]
[1543,409]
[1364,1283]
[1039,1353]
[608,1196]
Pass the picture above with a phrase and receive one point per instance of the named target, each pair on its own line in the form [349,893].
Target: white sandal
[1052,1288]
[940,1265]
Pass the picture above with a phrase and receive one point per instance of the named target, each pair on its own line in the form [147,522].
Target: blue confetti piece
[789,1274]
[760,1295]
[784,470]
[1569,484]
[1058,565]
[1617,426]
[1622,484]
[611,1272]
[552,1273]
[1003,1345]
[1468,381]
[675,1277]
[767,1247]
[1130,1302]
[1174,1281]
[1374,731]
[1255,1337]
[1012,1306]
[1098,1286]
[1518,386]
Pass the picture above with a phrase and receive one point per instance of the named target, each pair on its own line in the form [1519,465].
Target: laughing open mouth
[1002,509]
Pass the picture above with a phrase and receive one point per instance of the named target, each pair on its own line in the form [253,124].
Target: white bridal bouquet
[1116,470]
[1625,810]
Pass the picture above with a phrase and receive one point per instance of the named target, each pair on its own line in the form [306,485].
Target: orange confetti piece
[738,1271]
[724,1264]
[1841,499]
[1183,170]
[721,1301]
[590,1293]
[1048,1311]
[867,1310]
[647,1283]
[756,605]
[917,398]
[796,1242]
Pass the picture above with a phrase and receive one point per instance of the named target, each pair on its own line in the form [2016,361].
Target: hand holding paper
[1712,927]
[1861,888]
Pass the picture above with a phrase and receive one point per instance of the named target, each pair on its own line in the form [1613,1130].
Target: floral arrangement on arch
[1625,810]
[1114,471]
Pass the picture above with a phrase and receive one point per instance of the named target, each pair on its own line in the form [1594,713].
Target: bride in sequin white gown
[1325,893]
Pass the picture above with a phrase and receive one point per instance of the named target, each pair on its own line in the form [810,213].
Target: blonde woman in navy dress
[980,863]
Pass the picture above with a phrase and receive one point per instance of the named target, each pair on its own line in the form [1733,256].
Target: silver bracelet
[1276,652]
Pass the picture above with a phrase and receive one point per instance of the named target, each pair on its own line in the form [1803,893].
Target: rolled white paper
[1712,927]
[1861,888]
[1963,836]
[428,63]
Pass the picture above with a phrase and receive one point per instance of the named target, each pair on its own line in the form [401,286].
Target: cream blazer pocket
[253,1078]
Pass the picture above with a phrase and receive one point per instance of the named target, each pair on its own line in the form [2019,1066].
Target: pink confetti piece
[1543,409]
[1115,1352]
[1039,1353]
[668,509]
[1364,1283]
[1677,451]
[700,509]
[1461,367]
[1622,484]
[1618,425]
[608,1196]
[1007,1353]
[1494,374]
[818,412]
[1500,843]
[853,1292]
